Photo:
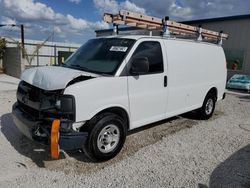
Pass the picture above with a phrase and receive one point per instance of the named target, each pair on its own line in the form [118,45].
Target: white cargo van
[115,84]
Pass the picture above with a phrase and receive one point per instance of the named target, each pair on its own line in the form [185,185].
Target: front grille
[33,93]
[35,101]
[36,94]
[33,113]
[39,103]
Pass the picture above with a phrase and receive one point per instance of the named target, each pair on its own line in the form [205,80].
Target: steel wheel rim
[108,138]
[209,106]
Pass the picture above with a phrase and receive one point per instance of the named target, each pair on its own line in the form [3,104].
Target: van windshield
[101,56]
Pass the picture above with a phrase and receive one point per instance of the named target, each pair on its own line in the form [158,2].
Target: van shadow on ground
[36,152]
[233,172]
[244,98]
[137,139]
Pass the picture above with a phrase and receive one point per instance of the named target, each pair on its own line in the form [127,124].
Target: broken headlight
[66,104]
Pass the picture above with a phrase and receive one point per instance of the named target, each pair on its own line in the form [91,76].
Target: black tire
[207,109]
[102,123]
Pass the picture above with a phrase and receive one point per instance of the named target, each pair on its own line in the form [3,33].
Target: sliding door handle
[165,81]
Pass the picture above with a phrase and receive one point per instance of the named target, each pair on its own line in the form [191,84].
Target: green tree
[2,47]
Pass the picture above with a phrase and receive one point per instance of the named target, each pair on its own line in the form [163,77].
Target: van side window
[151,50]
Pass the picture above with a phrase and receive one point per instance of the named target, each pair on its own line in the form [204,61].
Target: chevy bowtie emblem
[25,99]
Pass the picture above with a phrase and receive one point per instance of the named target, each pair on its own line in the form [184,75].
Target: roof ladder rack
[168,27]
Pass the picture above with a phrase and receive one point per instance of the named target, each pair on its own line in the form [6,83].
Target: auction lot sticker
[118,48]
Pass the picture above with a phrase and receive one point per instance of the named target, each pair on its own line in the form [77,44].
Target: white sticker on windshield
[118,48]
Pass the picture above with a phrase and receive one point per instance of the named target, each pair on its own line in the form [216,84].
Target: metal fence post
[37,58]
[22,40]
[55,54]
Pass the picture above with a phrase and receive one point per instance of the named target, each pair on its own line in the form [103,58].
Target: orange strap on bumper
[54,139]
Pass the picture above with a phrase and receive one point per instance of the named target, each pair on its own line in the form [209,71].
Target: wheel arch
[118,110]
[214,91]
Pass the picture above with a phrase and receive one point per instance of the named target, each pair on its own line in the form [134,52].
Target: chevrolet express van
[112,85]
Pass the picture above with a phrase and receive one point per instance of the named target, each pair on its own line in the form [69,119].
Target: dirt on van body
[182,151]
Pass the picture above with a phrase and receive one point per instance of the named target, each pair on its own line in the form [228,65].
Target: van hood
[52,77]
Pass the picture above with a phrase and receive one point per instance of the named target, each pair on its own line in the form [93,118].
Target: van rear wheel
[106,138]
[207,109]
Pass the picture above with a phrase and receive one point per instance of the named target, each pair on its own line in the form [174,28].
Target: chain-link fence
[37,53]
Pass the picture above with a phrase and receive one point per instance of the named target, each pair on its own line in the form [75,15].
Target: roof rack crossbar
[168,27]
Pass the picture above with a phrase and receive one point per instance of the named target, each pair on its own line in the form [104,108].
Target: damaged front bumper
[40,131]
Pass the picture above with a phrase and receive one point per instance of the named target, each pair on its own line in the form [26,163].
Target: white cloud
[112,6]
[75,1]
[43,19]
[102,6]
[101,25]
[8,21]
[127,5]
[28,10]
[195,9]
[78,24]
[57,30]
[180,12]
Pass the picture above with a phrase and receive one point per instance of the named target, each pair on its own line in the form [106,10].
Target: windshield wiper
[79,67]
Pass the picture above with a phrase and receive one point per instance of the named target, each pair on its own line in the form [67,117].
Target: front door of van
[148,92]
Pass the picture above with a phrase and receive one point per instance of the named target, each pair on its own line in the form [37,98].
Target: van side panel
[193,69]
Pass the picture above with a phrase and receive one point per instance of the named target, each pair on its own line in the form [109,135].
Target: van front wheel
[106,137]
[207,109]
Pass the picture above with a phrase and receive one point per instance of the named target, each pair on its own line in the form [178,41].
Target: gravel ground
[178,152]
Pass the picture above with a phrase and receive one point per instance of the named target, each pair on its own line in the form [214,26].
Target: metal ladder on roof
[167,26]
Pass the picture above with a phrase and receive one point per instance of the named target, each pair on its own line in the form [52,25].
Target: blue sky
[83,9]
[76,20]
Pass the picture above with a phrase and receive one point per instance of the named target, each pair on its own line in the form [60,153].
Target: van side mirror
[139,65]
